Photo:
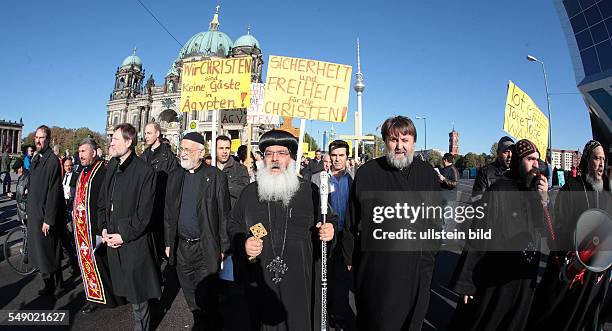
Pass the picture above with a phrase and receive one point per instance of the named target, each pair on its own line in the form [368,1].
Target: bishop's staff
[324,190]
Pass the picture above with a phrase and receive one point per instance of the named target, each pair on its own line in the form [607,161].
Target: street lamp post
[425,121]
[532,58]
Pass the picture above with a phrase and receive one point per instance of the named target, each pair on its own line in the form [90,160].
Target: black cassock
[125,205]
[391,287]
[295,302]
[556,305]
[45,204]
[501,273]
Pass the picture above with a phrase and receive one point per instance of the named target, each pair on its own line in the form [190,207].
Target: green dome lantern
[208,43]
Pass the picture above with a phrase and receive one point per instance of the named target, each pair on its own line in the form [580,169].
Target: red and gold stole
[94,290]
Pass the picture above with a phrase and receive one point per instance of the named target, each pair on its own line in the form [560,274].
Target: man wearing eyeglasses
[197,203]
[281,280]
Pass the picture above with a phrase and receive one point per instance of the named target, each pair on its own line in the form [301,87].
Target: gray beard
[277,187]
[402,163]
[596,184]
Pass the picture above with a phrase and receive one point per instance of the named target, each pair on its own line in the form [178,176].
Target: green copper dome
[132,60]
[207,43]
[247,40]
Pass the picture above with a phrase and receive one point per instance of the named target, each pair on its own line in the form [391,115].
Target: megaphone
[593,246]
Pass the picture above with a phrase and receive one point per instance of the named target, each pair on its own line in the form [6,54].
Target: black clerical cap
[279,138]
[195,137]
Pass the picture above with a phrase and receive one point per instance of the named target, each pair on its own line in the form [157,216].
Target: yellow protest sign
[351,150]
[216,84]
[524,120]
[307,89]
[234,146]
[305,148]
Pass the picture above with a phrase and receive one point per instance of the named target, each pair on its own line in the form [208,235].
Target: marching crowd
[244,238]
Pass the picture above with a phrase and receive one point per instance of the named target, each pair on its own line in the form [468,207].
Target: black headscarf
[586,156]
[521,149]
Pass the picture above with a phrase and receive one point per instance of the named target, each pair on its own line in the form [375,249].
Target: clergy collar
[44,154]
[153,150]
[196,170]
[126,163]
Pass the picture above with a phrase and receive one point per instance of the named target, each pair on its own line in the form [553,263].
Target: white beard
[596,184]
[277,187]
[401,163]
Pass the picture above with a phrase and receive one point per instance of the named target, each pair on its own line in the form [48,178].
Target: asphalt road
[19,292]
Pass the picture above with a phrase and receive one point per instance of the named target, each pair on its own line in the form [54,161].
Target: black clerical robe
[501,273]
[295,302]
[125,205]
[563,305]
[45,205]
[391,286]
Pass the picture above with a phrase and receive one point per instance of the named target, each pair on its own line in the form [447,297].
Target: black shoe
[89,308]
[46,291]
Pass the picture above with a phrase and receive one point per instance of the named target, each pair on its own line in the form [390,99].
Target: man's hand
[326,231]
[45,229]
[253,246]
[467,298]
[167,251]
[114,240]
[441,178]
[104,236]
[542,187]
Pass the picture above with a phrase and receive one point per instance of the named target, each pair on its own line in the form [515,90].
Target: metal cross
[278,267]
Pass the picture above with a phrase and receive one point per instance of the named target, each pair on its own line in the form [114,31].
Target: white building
[565,159]
[138,102]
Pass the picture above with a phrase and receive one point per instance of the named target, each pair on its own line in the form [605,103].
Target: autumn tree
[69,139]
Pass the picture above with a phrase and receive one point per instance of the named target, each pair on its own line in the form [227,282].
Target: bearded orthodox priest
[281,270]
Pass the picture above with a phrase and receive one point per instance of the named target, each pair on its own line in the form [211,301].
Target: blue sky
[447,60]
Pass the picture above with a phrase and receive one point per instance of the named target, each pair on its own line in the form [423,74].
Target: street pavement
[19,292]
